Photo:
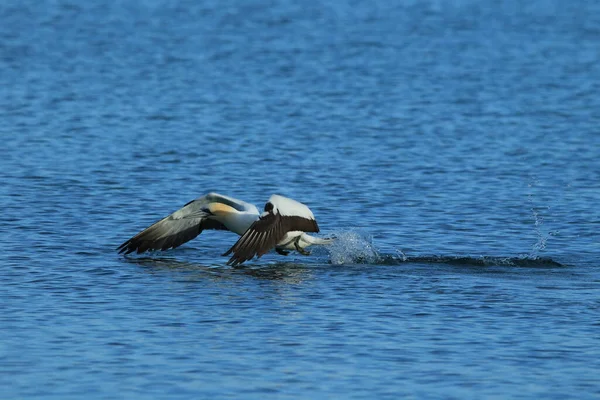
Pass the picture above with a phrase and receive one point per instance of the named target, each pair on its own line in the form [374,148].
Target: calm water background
[453,146]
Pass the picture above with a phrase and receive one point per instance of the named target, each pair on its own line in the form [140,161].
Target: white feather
[290,208]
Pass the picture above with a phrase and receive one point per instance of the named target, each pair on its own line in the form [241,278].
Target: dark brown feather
[264,234]
[152,238]
[261,237]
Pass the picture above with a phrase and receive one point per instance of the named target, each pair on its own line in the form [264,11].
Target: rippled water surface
[451,146]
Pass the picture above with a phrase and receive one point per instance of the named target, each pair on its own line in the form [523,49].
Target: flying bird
[282,226]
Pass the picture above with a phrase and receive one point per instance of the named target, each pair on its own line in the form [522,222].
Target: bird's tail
[319,241]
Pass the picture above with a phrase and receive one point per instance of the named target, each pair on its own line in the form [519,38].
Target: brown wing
[261,237]
[168,233]
[264,234]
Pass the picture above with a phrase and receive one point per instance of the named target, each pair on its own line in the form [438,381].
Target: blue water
[452,146]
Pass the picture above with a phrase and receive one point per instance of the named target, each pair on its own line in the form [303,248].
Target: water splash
[542,237]
[353,247]
[401,256]
[541,232]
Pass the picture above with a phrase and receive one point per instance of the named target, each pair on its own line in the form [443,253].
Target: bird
[282,226]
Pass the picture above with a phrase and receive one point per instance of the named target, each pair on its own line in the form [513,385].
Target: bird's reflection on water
[287,272]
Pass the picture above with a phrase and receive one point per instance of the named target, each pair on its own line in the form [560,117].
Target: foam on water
[482,261]
[354,247]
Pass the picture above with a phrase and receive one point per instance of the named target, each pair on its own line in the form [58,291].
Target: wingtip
[127,247]
[234,263]
[120,249]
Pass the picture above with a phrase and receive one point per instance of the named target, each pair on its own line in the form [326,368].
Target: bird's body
[282,226]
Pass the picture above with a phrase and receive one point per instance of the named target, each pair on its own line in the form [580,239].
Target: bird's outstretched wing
[282,215]
[181,226]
